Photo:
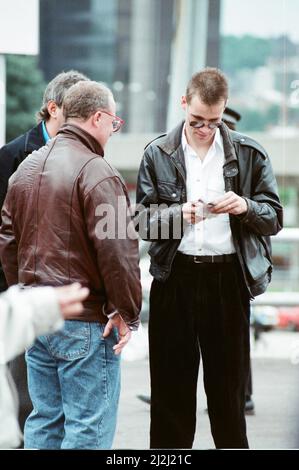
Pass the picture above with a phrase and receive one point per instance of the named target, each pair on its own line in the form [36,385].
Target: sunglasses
[200,124]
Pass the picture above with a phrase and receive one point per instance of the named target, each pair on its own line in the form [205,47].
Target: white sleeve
[24,315]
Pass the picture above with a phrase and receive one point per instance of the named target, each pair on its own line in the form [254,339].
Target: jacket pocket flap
[168,191]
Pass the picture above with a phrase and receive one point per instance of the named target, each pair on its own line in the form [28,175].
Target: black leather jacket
[247,171]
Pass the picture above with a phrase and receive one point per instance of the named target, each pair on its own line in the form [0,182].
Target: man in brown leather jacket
[50,119]
[52,233]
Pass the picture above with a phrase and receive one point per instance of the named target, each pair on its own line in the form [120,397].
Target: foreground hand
[124,333]
[192,212]
[230,203]
[70,299]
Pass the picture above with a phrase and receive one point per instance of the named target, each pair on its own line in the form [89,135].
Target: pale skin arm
[190,214]
[229,203]
[70,299]
[124,332]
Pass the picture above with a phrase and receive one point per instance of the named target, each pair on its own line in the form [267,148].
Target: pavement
[275,425]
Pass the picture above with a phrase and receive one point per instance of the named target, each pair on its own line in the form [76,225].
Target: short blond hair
[210,85]
[84,99]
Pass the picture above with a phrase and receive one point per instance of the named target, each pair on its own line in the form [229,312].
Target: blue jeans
[74,385]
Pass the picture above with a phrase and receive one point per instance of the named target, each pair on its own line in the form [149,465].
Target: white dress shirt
[205,181]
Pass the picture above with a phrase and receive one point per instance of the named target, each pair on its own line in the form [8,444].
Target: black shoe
[145,398]
[249,407]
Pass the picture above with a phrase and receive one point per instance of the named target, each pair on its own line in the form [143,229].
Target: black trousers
[202,310]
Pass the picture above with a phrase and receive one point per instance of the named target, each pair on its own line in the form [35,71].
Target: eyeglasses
[117,121]
[200,124]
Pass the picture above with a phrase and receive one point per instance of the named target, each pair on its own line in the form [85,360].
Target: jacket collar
[34,139]
[72,130]
[171,141]
[171,145]
[228,145]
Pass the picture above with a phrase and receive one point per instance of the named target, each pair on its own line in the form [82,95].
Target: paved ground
[276,395]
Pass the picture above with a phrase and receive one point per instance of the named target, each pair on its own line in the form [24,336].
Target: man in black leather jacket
[208,202]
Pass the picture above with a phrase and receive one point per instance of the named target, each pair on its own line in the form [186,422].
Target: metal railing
[281,299]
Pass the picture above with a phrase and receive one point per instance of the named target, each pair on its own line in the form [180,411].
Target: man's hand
[124,333]
[230,203]
[70,299]
[193,212]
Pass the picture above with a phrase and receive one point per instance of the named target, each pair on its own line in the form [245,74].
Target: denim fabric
[74,385]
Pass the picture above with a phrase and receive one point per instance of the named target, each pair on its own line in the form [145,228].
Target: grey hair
[56,90]
[84,99]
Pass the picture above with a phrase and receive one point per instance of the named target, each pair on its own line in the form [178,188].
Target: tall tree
[25,87]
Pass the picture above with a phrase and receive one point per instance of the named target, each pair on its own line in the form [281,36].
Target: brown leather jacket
[49,232]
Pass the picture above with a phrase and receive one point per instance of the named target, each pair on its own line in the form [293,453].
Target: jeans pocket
[72,342]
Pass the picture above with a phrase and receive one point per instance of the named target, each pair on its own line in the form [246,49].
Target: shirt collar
[45,132]
[184,139]
[216,142]
[218,139]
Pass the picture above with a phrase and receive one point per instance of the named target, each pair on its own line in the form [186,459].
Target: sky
[19,26]
[261,17]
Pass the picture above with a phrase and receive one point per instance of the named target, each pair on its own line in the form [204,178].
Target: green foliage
[256,120]
[239,53]
[243,52]
[25,87]
[288,195]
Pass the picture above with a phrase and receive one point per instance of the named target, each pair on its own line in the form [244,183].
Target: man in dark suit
[50,118]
